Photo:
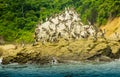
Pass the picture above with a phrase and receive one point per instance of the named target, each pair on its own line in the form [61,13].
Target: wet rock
[105,59]
[7,60]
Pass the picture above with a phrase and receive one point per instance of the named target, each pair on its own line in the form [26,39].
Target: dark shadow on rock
[117,54]
[23,57]
[102,55]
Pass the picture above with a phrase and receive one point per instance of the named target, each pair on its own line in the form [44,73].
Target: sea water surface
[108,69]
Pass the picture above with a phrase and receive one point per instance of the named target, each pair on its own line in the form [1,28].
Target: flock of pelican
[65,25]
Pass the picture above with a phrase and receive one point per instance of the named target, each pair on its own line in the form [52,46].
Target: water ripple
[111,69]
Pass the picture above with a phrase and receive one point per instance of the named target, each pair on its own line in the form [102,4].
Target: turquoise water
[111,69]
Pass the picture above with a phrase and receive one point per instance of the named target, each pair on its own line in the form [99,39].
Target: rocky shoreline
[61,52]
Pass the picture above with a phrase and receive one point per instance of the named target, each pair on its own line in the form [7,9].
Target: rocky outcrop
[24,57]
[64,51]
[104,54]
[64,37]
[65,25]
[7,60]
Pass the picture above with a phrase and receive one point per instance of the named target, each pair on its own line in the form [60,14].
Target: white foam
[1,60]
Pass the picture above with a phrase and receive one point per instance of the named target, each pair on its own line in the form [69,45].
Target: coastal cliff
[64,38]
[63,51]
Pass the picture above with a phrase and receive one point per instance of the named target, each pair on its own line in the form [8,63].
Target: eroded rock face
[117,54]
[104,54]
[76,50]
[7,60]
[23,57]
[64,51]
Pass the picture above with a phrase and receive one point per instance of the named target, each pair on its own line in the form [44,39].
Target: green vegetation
[18,18]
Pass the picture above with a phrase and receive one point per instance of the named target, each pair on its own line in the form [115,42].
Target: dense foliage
[18,18]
